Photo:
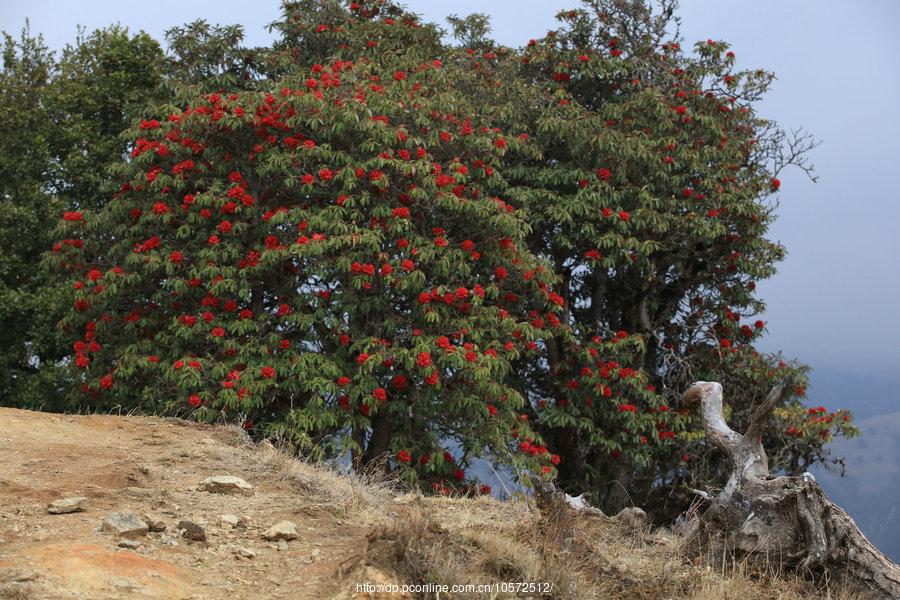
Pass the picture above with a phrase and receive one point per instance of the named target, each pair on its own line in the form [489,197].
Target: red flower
[604,174]
[379,394]
[267,372]
[404,456]
[424,359]
[195,400]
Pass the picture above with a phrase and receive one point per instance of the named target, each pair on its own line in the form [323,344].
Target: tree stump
[785,518]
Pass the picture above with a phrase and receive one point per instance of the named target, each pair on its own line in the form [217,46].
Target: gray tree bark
[789,519]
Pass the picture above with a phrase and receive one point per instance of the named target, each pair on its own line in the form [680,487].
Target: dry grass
[461,541]
[418,539]
[323,488]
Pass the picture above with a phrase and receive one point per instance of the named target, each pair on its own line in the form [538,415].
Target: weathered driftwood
[789,519]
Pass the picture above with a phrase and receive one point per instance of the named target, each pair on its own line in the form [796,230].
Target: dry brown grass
[345,495]
[457,541]
[417,539]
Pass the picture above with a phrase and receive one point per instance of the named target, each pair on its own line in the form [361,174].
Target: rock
[283,530]
[18,575]
[67,505]
[129,544]
[192,531]
[125,524]
[245,552]
[137,492]
[230,521]
[633,517]
[282,545]
[154,522]
[226,484]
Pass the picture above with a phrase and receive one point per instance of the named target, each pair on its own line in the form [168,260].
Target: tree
[647,180]
[26,133]
[329,262]
[61,128]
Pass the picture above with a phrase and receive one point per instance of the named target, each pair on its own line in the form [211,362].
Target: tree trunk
[379,440]
[785,518]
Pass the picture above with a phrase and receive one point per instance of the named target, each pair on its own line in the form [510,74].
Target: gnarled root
[790,519]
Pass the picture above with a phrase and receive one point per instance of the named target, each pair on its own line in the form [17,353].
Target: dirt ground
[143,465]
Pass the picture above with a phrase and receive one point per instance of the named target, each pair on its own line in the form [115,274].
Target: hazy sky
[833,302]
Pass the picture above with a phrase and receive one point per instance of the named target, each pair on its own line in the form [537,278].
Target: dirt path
[147,465]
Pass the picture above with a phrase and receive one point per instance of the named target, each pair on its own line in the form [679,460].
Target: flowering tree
[361,258]
[330,262]
[647,179]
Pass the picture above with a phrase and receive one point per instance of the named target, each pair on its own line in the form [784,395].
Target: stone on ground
[125,524]
[283,530]
[226,484]
[67,505]
[192,531]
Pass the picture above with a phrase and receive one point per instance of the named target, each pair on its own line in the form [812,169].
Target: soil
[151,465]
